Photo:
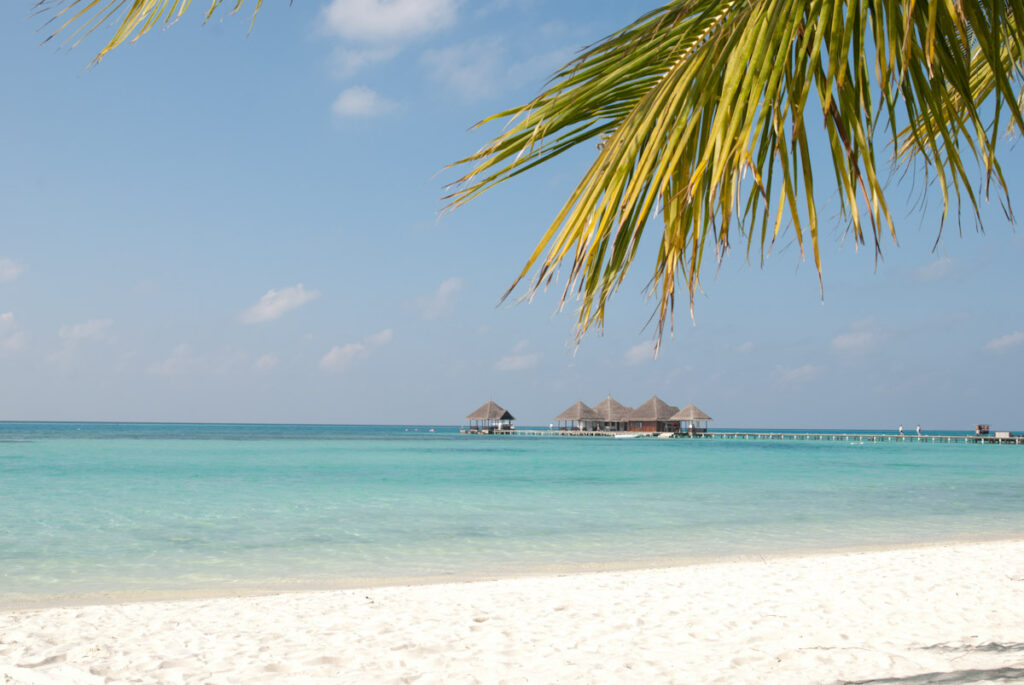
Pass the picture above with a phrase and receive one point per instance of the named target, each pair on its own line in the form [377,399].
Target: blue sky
[218,225]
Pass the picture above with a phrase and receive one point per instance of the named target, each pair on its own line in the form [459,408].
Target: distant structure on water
[580,416]
[655,416]
[693,417]
[614,416]
[491,418]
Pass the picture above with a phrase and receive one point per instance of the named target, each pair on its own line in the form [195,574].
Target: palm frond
[702,107]
[76,19]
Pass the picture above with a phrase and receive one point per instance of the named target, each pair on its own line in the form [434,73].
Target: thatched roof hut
[578,412]
[654,416]
[611,411]
[691,413]
[578,417]
[693,416]
[654,409]
[491,412]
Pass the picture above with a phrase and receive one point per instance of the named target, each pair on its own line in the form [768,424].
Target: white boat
[624,435]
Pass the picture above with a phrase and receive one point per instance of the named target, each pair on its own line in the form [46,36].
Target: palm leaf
[702,109]
[76,19]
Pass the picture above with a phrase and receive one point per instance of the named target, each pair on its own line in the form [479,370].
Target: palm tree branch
[132,19]
[693,96]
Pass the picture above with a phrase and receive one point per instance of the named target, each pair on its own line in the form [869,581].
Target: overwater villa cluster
[609,416]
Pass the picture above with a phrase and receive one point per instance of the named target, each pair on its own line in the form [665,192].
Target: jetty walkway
[766,435]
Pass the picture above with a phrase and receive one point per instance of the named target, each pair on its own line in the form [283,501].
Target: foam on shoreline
[941,611]
[248,588]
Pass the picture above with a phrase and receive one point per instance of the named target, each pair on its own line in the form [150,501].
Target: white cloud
[479,69]
[744,348]
[638,354]
[799,374]
[183,360]
[382,338]
[180,361]
[861,337]
[276,302]
[1005,342]
[12,337]
[519,360]
[93,329]
[472,70]
[348,62]
[341,357]
[266,362]
[935,271]
[441,300]
[377,21]
[9,270]
[854,341]
[360,101]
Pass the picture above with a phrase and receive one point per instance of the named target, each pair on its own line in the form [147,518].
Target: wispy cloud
[799,374]
[517,362]
[861,337]
[469,69]
[519,359]
[854,341]
[73,336]
[12,337]
[480,68]
[744,348]
[361,102]
[382,21]
[277,302]
[93,329]
[9,270]
[1005,342]
[935,271]
[342,357]
[180,361]
[441,301]
[638,354]
[184,360]
[266,362]
[348,62]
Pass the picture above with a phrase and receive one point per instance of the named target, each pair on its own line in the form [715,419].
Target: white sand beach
[950,613]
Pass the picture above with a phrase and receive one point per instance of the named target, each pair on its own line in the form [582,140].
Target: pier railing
[768,435]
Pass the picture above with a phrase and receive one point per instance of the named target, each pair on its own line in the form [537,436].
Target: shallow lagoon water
[148,507]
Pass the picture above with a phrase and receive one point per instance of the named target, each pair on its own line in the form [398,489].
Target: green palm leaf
[76,19]
[702,108]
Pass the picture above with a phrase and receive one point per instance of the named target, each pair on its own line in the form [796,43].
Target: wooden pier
[767,435]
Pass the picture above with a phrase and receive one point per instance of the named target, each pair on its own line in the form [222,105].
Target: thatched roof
[691,413]
[578,412]
[653,409]
[610,410]
[490,412]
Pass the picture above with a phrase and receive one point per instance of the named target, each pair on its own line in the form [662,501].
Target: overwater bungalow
[654,416]
[614,417]
[579,417]
[489,418]
[693,417]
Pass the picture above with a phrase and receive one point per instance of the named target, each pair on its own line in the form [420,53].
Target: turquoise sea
[137,508]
